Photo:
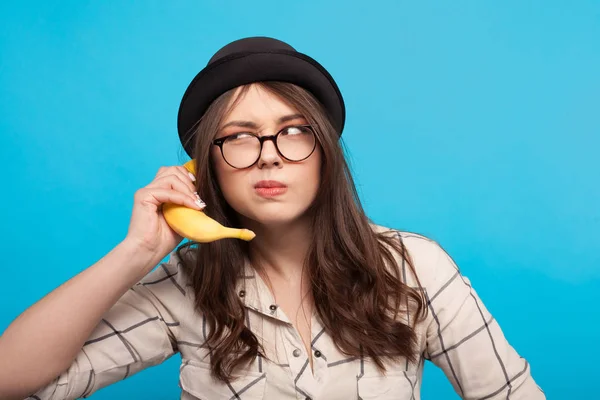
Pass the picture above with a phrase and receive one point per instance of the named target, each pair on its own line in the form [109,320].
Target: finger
[186,173]
[180,183]
[174,181]
[164,170]
[158,196]
[181,172]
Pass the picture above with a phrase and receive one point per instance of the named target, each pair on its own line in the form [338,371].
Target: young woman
[321,304]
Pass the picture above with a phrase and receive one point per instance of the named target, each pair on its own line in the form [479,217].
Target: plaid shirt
[155,319]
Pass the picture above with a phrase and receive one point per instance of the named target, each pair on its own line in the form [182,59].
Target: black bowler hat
[256,59]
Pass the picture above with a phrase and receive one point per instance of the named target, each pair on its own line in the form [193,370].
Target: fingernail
[200,203]
[197,195]
[192,177]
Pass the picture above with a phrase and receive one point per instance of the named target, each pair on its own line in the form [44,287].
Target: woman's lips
[270,188]
[271,191]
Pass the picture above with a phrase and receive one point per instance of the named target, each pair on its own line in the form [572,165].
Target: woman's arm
[466,342]
[46,338]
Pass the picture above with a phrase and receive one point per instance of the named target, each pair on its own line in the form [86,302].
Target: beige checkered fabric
[155,319]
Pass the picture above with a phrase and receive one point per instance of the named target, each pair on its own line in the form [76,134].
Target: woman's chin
[273,218]
[271,221]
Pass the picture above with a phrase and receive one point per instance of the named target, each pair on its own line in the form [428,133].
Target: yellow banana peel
[196,225]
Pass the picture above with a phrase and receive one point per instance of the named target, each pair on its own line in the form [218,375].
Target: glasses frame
[220,141]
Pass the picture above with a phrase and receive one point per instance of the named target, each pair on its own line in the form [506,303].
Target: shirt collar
[256,295]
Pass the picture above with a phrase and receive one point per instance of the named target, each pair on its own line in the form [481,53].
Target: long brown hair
[355,281]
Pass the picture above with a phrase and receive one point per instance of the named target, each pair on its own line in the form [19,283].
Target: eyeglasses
[242,150]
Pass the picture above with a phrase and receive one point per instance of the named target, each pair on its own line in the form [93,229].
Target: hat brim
[244,68]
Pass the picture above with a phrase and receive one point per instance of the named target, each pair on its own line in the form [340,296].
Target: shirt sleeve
[134,334]
[466,342]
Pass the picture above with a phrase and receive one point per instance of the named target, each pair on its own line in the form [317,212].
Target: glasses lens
[241,150]
[296,142]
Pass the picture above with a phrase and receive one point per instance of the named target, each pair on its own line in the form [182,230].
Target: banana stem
[246,234]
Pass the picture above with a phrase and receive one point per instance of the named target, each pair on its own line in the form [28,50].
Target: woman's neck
[281,250]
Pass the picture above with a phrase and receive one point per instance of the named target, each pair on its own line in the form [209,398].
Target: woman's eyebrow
[252,125]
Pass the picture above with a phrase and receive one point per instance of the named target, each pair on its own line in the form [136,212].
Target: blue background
[474,123]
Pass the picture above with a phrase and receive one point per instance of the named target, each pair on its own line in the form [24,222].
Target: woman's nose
[269,155]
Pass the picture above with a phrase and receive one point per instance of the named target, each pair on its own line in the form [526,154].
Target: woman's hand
[148,229]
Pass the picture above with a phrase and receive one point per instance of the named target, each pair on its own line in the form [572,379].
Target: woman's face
[262,113]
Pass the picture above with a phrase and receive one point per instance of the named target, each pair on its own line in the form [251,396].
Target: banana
[196,225]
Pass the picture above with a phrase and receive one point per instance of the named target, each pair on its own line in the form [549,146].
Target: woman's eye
[240,136]
[292,130]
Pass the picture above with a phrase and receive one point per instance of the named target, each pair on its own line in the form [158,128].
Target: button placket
[320,368]
[293,348]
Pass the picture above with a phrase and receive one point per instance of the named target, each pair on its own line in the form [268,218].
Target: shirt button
[272,307]
[317,353]
[307,398]
[296,353]
[242,293]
